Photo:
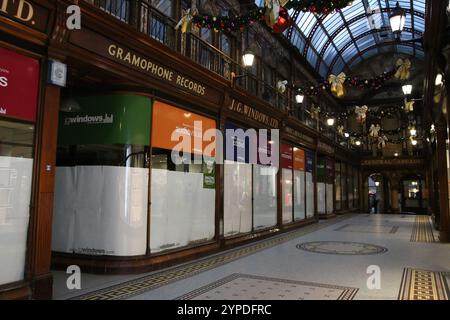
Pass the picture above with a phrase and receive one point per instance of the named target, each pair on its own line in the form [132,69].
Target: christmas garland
[318,6]
[239,23]
[376,83]
[228,23]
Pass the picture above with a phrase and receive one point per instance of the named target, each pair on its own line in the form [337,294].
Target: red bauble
[284,21]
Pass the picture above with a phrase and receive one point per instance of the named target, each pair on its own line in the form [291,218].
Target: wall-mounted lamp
[248,59]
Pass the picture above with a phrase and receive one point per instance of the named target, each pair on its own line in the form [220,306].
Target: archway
[378,200]
[413,194]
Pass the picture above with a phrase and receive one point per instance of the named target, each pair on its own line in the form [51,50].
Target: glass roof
[339,41]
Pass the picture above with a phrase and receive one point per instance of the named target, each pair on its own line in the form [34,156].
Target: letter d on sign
[374,281]
[74,280]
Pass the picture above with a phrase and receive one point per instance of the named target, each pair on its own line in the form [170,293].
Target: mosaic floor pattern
[250,287]
[368,229]
[423,285]
[341,248]
[422,230]
[141,285]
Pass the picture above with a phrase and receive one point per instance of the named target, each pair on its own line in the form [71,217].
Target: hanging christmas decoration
[382,140]
[185,22]
[403,69]
[283,22]
[340,130]
[409,105]
[361,114]
[337,84]
[318,6]
[315,113]
[272,12]
[374,131]
[433,133]
[282,86]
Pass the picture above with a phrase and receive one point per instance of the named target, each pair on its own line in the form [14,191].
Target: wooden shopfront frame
[26,31]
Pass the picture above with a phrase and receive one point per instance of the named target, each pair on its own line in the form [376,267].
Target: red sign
[19,82]
[287,157]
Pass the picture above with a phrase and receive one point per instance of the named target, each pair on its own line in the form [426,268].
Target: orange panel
[171,123]
[299,159]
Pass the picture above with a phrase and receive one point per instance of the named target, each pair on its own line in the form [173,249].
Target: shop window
[19,76]
[265,197]
[299,185]
[310,204]
[102,177]
[183,192]
[338,188]
[16,172]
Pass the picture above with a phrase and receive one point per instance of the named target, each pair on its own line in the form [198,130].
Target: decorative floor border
[393,230]
[422,230]
[347,292]
[150,282]
[423,285]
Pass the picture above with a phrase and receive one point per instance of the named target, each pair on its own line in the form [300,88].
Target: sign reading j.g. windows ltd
[19,80]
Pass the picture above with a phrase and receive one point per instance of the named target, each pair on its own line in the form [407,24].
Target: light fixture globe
[248,58]
[299,98]
[407,89]
[397,19]
[330,122]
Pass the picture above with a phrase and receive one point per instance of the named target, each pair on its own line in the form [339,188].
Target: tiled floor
[337,266]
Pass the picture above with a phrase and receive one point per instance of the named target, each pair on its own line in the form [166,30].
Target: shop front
[251,189]
[27,149]
[19,89]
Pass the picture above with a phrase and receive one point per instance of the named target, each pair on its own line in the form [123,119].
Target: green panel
[321,170]
[113,119]
[209,173]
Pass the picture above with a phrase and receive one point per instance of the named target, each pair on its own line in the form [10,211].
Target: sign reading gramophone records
[19,81]
[144,64]
[25,12]
[253,114]
[325,148]
[297,134]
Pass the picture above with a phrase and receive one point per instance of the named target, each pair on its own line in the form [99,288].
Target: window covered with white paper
[265,196]
[287,188]
[299,195]
[16,171]
[237,198]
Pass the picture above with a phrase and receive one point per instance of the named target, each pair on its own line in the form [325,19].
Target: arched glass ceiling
[339,41]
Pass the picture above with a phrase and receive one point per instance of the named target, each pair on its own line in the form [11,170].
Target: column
[41,224]
[441,152]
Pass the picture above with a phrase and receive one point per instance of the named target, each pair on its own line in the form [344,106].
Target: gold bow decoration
[403,69]
[374,131]
[185,22]
[340,130]
[281,86]
[315,113]
[352,141]
[273,10]
[409,105]
[337,84]
[382,142]
[361,114]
